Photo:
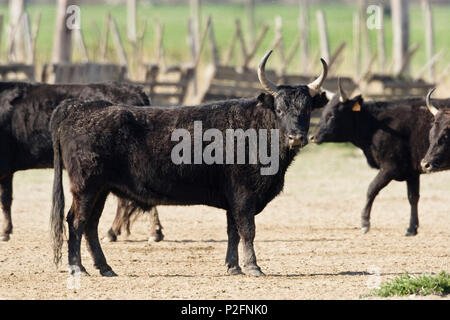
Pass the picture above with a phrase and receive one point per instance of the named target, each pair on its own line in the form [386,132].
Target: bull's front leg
[232,258]
[413,197]
[381,180]
[6,200]
[245,222]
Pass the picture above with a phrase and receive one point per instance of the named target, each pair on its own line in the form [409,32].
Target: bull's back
[30,138]
[401,139]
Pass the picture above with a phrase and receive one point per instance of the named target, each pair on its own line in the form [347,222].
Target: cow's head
[292,105]
[438,154]
[337,119]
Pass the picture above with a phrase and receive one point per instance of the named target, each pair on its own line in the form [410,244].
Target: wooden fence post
[323,35]
[252,52]
[357,43]
[381,43]
[429,36]
[131,21]
[400,28]
[241,39]
[251,20]
[366,54]
[104,39]
[1,31]
[28,38]
[304,38]
[118,42]
[195,25]
[160,59]
[62,40]
[16,35]
[230,51]
[213,45]
[35,32]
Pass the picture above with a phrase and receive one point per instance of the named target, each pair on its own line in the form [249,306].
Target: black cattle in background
[393,136]
[137,164]
[25,140]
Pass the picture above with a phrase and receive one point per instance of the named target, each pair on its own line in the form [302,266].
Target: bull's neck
[363,128]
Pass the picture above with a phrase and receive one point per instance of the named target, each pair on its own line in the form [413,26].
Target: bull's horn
[430,107]
[268,85]
[343,96]
[314,87]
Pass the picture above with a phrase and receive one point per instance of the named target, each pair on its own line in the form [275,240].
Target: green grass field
[175,18]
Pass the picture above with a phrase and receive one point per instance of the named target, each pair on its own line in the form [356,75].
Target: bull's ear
[321,100]
[266,100]
[357,103]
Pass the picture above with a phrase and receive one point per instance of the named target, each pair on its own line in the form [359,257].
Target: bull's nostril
[427,166]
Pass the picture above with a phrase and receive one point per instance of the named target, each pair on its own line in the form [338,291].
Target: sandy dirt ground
[308,241]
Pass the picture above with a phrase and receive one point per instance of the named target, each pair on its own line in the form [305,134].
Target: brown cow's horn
[430,107]
[268,85]
[314,87]
[343,95]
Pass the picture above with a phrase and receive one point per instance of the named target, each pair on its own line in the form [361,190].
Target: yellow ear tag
[356,107]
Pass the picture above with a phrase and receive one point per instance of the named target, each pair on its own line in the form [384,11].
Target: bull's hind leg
[76,228]
[6,200]
[232,258]
[121,215]
[91,234]
[413,197]
[381,180]
[245,223]
[123,220]
[155,233]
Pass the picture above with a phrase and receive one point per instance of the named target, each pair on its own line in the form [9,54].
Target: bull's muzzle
[297,140]
[428,166]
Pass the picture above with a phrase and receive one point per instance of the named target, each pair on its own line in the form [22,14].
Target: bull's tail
[57,214]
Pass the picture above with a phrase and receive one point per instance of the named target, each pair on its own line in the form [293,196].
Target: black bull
[128,151]
[393,136]
[25,141]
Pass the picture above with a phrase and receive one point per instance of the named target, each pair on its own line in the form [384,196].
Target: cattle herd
[110,139]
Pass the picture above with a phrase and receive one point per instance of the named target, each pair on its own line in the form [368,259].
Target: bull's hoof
[4,237]
[365,229]
[108,273]
[234,271]
[254,271]
[110,237]
[107,239]
[76,270]
[410,233]
[156,236]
